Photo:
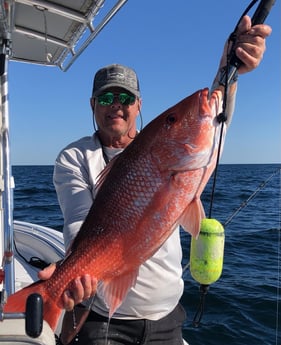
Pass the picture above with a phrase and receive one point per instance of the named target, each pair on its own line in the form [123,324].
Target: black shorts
[166,331]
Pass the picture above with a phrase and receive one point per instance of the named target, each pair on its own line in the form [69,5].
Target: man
[151,312]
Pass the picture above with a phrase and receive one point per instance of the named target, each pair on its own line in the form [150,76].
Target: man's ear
[92,102]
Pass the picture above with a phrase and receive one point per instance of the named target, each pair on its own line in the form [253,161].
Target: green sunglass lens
[108,98]
[126,99]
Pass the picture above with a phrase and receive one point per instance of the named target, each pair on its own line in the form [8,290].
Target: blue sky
[175,47]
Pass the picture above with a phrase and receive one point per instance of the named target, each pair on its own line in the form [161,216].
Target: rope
[33,261]
[48,56]
[200,310]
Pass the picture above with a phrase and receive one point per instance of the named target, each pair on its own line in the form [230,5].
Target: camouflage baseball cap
[116,76]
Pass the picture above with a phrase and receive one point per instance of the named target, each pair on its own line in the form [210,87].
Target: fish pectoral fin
[115,290]
[191,218]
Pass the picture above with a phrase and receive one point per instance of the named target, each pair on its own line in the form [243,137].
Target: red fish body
[152,186]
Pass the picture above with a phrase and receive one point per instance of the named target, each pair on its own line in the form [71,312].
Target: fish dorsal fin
[191,218]
[115,290]
[103,174]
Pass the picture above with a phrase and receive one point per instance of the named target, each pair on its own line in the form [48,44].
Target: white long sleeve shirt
[159,284]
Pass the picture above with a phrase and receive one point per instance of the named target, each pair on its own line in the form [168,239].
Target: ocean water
[243,307]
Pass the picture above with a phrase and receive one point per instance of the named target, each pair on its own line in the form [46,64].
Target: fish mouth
[216,102]
[200,153]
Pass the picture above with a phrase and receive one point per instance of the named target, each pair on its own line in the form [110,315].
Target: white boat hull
[32,241]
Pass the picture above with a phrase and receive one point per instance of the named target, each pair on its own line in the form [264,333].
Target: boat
[52,34]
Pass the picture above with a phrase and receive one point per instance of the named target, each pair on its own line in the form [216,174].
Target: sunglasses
[123,97]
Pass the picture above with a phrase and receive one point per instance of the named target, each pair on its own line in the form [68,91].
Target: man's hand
[250,44]
[80,288]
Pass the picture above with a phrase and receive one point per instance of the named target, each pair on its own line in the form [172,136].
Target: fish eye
[171,119]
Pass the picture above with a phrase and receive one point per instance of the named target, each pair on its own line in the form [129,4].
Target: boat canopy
[52,33]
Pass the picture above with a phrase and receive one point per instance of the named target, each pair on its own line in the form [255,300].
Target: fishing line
[252,196]
[245,204]
[243,14]
[278,265]
[230,74]
[221,118]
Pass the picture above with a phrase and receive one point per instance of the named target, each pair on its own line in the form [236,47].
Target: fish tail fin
[16,303]
[52,313]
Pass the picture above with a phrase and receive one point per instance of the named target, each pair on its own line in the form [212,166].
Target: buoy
[206,252]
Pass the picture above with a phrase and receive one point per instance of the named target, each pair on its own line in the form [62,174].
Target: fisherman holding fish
[151,312]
